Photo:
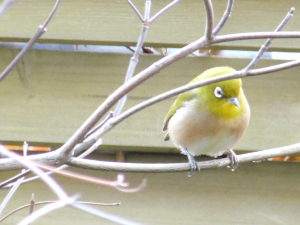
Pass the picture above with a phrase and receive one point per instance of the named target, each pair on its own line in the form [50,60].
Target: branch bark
[182,167]
[40,31]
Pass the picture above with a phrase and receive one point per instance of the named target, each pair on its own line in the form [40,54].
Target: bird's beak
[234,101]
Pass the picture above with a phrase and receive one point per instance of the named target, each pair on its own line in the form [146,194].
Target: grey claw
[192,162]
[234,160]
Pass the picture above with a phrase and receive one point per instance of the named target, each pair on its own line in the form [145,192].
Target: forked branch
[63,154]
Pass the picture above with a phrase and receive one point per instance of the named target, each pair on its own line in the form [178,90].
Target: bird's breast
[203,133]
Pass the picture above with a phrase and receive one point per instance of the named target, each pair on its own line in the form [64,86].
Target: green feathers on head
[218,106]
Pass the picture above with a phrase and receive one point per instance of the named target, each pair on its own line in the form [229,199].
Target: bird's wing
[178,103]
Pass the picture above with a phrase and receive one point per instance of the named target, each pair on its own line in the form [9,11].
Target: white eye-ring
[218,92]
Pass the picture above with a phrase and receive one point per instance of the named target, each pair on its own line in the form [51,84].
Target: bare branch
[60,193]
[31,204]
[182,167]
[255,35]
[41,30]
[134,59]
[5,5]
[118,184]
[92,148]
[51,14]
[12,179]
[224,18]
[47,202]
[104,215]
[135,10]
[46,209]
[110,115]
[275,68]
[209,20]
[36,36]
[265,46]
[163,10]
[95,117]
[9,195]
[26,163]
[16,185]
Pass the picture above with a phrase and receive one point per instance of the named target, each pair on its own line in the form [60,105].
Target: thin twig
[47,202]
[8,183]
[26,163]
[72,201]
[5,5]
[209,21]
[182,167]
[104,215]
[163,10]
[119,183]
[134,59]
[46,209]
[31,205]
[265,46]
[135,10]
[12,179]
[16,185]
[51,14]
[110,115]
[255,35]
[40,31]
[224,18]
[9,195]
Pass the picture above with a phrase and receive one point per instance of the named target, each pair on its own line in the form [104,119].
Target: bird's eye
[218,92]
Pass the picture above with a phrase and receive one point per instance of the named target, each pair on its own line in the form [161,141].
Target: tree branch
[255,35]
[47,202]
[46,209]
[135,10]
[181,167]
[163,10]
[26,163]
[209,21]
[41,30]
[265,46]
[224,18]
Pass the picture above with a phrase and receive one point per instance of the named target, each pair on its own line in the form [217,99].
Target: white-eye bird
[208,120]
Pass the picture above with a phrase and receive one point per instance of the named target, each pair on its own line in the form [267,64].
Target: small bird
[208,120]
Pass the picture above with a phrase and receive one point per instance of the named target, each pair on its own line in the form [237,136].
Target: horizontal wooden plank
[110,22]
[50,94]
[260,193]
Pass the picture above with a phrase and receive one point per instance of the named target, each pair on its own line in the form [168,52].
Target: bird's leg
[234,160]
[192,162]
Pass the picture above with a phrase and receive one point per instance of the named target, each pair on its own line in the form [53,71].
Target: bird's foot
[234,160]
[192,162]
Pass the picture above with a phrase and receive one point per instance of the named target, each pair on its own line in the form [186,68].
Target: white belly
[203,133]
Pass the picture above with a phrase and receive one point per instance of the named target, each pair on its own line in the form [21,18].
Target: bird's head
[224,99]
